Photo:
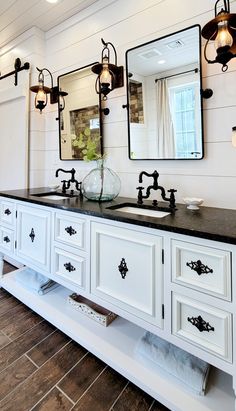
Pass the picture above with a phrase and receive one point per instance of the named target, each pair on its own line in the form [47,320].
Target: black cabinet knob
[70,230]
[201,324]
[69,267]
[7,211]
[6,239]
[199,267]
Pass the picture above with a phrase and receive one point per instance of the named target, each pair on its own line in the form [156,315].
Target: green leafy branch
[88,145]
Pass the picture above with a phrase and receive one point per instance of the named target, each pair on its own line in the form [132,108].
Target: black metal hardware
[66,183]
[155,186]
[199,267]
[195,70]
[7,211]
[201,324]
[123,268]
[70,230]
[105,111]
[32,235]
[69,267]
[15,72]
[6,239]
[163,311]
[207,93]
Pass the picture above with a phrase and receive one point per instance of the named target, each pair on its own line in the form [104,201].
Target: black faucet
[155,187]
[66,183]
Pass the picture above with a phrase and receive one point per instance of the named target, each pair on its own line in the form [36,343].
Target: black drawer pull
[199,267]
[69,267]
[7,211]
[201,324]
[70,230]
[32,235]
[6,239]
[123,268]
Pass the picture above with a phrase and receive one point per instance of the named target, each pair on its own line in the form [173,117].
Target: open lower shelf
[115,346]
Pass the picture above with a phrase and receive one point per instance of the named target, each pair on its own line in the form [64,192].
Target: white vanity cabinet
[177,286]
[34,236]
[126,270]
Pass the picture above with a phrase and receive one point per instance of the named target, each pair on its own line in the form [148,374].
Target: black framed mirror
[79,114]
[164,99]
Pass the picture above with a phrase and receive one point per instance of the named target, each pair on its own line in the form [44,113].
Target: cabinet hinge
[16,214]
[163,311]
[162,256]
[15,243]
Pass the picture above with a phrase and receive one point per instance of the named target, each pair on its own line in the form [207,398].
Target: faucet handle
[172,197]
[140,194]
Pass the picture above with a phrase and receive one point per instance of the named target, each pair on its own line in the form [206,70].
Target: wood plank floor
[41,369]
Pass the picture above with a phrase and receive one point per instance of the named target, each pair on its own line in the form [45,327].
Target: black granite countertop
[217,224]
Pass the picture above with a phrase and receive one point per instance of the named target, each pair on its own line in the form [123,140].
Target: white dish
[53,186]
[193,202]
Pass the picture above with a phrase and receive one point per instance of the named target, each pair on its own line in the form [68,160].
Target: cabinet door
[126,270]
[33,236]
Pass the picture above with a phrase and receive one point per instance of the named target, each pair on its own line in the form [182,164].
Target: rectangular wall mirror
[80,120]
[164,97]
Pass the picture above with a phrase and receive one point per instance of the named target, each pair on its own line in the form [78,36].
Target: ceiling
[17,16]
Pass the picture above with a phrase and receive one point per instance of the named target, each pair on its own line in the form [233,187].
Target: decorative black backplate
[6,239]
[7,211]
[201,324]
[70,230]
[69,267]
[123,268]
[32,235]
[199,267]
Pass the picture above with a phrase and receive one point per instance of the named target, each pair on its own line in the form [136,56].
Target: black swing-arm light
[42,91]
[222,29]
[110,76]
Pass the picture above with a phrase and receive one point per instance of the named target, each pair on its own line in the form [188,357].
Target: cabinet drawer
[203,325]
[70,230]
[7,212]
[203,268]
[7,239]
[69,266]
[126,270]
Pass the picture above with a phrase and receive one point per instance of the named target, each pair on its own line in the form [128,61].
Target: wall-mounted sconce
[110,76]
[42,92]
[17,68]
[222,29]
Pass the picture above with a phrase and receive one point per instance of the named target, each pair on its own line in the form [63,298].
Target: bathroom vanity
[173,276]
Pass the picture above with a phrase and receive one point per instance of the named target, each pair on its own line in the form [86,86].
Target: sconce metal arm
[18,67]
[106,44]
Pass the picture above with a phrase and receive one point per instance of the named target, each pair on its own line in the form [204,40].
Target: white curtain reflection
[165,128]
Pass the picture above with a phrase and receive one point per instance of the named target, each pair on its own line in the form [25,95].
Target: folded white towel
[34,281]
[190,370]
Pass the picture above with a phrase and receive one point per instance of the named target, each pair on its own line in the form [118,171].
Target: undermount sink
[53,195]
[141,210]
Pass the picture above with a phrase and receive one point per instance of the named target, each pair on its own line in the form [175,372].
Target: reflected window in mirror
[164,97]
[80,120]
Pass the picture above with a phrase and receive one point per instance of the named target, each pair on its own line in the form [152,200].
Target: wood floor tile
[17,348]
[81,377]
[36,386]
[159,407]
[13,375]
[54,401]
[13,314]
[7,303]
[48,347]
[133,399]
[16,328]
[102,394]
[7,267]
[4,340]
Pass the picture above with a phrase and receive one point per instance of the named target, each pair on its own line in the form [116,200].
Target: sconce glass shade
[42,91]
[222,29]
[110,76]
[234,136]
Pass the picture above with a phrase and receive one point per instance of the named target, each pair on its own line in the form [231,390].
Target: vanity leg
[1,265]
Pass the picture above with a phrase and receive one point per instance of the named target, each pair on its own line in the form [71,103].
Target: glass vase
[101,184]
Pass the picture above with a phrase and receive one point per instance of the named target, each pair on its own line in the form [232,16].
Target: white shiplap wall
[127,23]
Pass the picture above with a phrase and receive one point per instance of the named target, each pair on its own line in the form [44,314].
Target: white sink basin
[143,211]
[54,197]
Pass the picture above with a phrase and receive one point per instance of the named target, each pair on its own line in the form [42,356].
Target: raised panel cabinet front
[33,236]
[126,270]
